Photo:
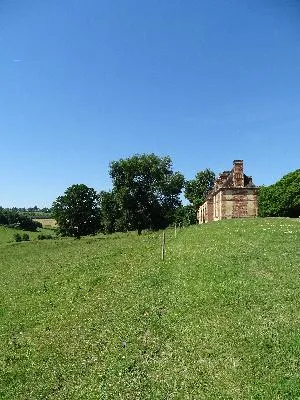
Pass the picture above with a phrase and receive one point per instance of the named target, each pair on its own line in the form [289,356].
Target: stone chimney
[238,173]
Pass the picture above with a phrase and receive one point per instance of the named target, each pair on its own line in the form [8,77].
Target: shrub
[25,237]
[17,237]
[43,236]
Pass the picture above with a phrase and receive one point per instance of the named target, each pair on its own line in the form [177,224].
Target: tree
[77,211]
[110,213]
[185,215]
[146,191]
[18,220]
[281,199]
[196,189]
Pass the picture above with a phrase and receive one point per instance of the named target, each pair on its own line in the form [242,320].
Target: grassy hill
[7,234]
[105,318]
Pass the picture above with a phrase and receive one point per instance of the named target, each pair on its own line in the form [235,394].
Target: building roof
[225,180]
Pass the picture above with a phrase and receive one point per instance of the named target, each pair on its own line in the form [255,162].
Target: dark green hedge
[281,199]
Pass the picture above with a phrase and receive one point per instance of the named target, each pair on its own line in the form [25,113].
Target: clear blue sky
[85,82]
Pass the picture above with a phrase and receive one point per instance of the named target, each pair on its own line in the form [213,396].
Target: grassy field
[46,222]
[105,318]
[7,234]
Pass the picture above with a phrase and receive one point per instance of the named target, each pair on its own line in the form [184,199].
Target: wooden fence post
[163,246]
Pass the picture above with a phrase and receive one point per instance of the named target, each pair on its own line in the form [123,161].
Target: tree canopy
[16,219]
[185,215]
[145,191]
[196,189]
[281,199]
[110,211]
[77,212]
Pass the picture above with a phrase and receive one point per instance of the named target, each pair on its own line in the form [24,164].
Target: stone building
[233,196]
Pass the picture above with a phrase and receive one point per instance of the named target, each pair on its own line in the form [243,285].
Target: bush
[25,237]
[21,238]
[17,237]
[42,236]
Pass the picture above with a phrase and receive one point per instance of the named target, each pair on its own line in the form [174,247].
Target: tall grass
[105,318]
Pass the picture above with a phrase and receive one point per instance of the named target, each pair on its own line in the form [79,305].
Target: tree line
[15,219]
[34,209]
[145,195]
[282,199]
[32,212]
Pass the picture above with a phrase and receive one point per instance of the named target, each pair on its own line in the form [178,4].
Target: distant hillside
[104,318]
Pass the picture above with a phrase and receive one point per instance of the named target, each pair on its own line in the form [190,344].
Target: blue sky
[83,83]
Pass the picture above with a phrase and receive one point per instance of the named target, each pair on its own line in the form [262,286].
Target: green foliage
[197,189]
[15,219]
[38,214]
[110,212]
[33,212]
[282,198]
[7,234]
[145,193]
[17,237]
[43,236]
[185,215]
[104,318]
[77,212]
[25,237]
[21,238]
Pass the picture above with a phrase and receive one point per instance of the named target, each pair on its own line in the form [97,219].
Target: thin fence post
[163,246]
[175,230]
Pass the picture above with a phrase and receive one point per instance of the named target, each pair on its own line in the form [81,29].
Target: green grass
[7,234]
[105,318]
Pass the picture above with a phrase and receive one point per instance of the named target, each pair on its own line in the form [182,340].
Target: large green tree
[146,190]
[196,189]
[281,199]
[77,212]
[112,217]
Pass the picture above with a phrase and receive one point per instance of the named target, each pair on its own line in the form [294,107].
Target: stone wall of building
[233,196]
